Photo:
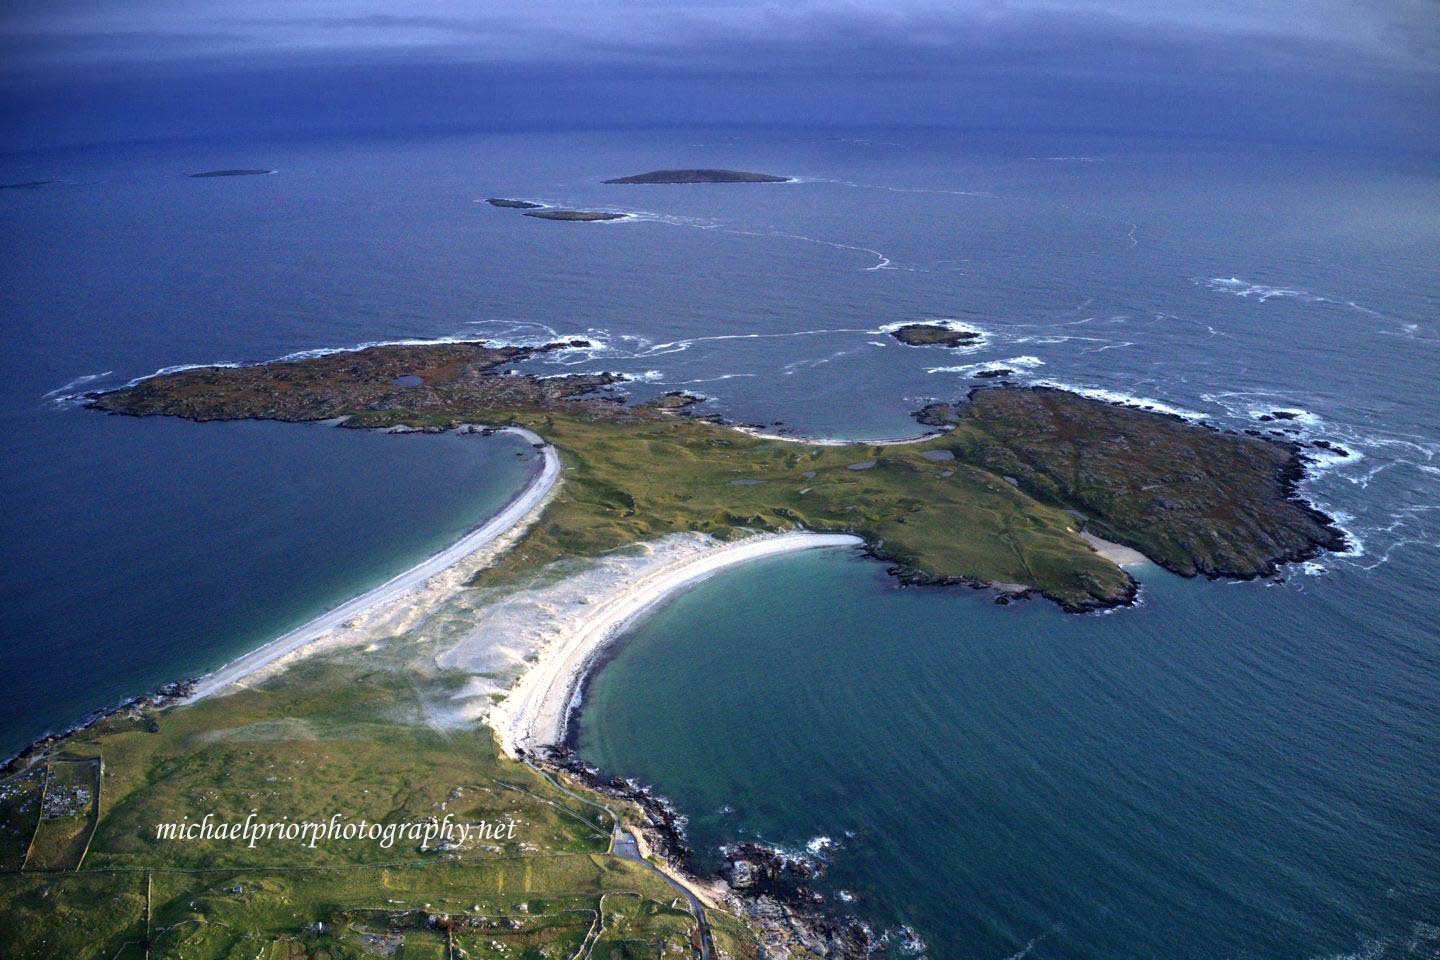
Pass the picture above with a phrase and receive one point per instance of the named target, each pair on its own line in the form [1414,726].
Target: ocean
[1227,770]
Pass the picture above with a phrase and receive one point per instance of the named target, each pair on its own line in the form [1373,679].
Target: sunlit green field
[334,736]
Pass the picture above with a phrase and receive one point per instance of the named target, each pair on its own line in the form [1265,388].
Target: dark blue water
[1224,772]
[1289,726]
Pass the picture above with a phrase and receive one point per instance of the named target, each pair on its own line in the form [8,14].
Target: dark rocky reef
[513,204]
[768,887]
[135,709]
[583,216]
[676,400]
[700,176]
[374,386]
[237,172]
[1192,498]
[935,335]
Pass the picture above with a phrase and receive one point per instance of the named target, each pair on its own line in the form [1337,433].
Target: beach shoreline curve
[537,711]
[512,515]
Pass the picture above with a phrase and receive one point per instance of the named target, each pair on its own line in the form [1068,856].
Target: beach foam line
[510,516]
[539,707]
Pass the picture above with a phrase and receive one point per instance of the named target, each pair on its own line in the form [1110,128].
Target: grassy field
[997,500]
[333,736]
[636,481]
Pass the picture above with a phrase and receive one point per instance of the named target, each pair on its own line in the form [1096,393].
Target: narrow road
[622,844]
[625,846]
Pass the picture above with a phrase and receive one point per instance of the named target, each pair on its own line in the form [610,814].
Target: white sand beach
[537,710]
[406,593]
[1116,553]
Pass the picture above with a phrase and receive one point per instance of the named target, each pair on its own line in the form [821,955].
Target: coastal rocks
[1192,498]
[767,886]
[1334,448]
[758,868]
[576,216]
[936,335]
[771,890]
[700,176]
[675,400]
[513,204]
[159,698]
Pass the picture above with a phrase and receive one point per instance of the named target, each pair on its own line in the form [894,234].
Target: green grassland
[336,735]
[998,500]
[630,482]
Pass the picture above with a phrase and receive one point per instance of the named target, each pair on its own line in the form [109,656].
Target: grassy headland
[999,498]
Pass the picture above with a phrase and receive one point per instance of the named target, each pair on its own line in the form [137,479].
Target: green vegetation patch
[329,736]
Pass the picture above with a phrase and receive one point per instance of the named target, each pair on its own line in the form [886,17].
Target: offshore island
[701,176]
[451,688]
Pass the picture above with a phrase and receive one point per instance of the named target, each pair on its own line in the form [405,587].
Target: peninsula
[449,690]
[1025,471]
[700,176]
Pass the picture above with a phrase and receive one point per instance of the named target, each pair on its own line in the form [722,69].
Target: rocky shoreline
[767,887]
[1168,488]
[162,696]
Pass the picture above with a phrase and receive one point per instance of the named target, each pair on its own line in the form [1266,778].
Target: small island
[513,204]
[581,216]
[701,176]
[936,335]
[237,172]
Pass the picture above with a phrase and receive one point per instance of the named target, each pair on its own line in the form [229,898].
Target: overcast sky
[1314,69]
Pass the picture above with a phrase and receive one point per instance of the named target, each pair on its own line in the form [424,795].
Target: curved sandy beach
[537,710]
[510,516]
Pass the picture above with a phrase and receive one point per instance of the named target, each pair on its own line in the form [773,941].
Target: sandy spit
[381,610]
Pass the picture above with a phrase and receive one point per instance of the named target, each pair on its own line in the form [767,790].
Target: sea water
[1227,770]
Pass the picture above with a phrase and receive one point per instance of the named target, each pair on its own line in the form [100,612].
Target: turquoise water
[1226,771]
